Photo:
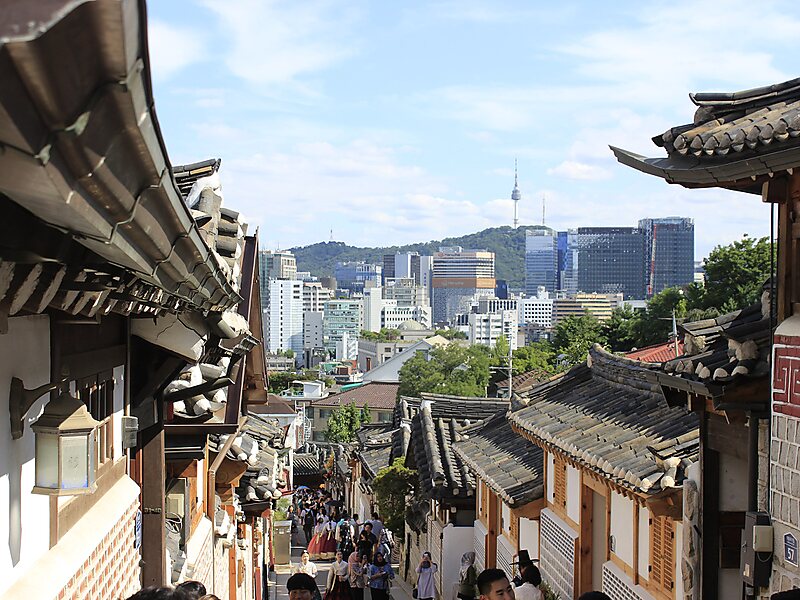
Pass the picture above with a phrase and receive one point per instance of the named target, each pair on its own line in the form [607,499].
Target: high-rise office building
[568,259]
[669,252]
[406,291]
[284,324]
[541,259]
[458,276]
[357,275]
[611,260]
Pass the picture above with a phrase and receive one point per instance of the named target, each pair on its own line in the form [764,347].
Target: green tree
[620,329]
[345,421]
[451,334]
[655,326]
[573,336]
[392,485]
[451,369]
[384,335]
[538,356]
[735,274]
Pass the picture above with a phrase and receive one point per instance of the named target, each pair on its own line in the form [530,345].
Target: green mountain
[507,243]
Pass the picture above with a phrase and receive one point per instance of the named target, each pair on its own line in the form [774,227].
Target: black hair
[594,596]
[531,574]
[301,581]
[193,589]
[488,577]
[160,593]
[787,595]
[374,515]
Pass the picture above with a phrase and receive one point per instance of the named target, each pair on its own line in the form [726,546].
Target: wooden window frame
[560,484]
[97,393]
[661,572]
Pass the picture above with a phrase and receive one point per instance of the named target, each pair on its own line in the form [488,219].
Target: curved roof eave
[81,147]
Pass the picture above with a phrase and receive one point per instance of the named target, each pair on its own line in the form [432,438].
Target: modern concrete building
[285,315]
[315,296]
[537,310]
[393,316]
[341,316]
[458,276]
[598,305]
[312,329]
[541,259]
[487,328]
[406,291]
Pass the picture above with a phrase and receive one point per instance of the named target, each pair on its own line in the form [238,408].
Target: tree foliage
[573,336]
[392,485]
[345,421]
[538,356]
[735,274]
[384,335]
[451,334]
[452,369]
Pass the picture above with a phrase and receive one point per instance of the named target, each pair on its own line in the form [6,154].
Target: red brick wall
[112,571]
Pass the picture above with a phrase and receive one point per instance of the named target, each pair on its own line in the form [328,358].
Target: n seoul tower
[516,196]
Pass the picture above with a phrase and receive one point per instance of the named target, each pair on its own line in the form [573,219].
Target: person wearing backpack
[308,523]
[344,537]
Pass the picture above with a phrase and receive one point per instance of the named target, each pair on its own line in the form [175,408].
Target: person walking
[468,577]
[377,525]
[306,566]
[493,584]
[380,574]
[426,570]
[344,537]
[308,522]
[338,585]
[364,546]
[301,586]
[357,568]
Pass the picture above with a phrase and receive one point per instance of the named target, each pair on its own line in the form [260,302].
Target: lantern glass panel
[75,461]
[47,460]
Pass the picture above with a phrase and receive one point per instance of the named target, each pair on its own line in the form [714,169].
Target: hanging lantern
[66,448]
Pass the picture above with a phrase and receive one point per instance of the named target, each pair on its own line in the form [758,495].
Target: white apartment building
[393,316]
[487,328]
[315,296]
[312,329]
[285,315]
[342,316]
[538,310]
[372,306]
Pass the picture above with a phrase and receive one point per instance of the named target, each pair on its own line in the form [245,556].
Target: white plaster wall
[505,513]
[119,409]
[622,527]
[529,536]
[24,517]
[732,473]
[644,543]
[573,494]
[456,541]
[549,482]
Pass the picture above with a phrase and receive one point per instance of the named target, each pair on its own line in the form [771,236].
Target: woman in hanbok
[306,566]
[316,546]
[328,547]
[338,586]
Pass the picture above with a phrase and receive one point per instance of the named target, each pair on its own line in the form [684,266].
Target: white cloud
[275,42]
[173,48]
[571,169]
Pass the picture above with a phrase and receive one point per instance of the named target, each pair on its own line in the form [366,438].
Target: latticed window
[97,393]
[559,482]
[513,529]
[484,506]
[662,553]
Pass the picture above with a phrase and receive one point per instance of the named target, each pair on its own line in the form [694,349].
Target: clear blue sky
[397,122]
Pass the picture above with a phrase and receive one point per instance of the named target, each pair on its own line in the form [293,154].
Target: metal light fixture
[66,451]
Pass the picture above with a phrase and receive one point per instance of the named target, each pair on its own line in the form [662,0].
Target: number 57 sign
[790,549]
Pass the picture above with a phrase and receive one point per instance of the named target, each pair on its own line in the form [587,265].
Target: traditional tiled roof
[442,474]
[607,416]
[381,396]
[721,352]
[734,137]
[508,463]
[445,406]
[275,406]
[524,381]
[308,463]
[657,353]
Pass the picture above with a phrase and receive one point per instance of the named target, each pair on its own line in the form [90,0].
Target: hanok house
[750,142]
[441,515]
[724,378]
[97,241]
[509,491]
[615,459]
[379,398]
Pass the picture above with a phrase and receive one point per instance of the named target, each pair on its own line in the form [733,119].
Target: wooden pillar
[494,529]
[585,540]
[151,459]
[709,515]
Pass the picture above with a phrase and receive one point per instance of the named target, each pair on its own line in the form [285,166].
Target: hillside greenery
[507,243]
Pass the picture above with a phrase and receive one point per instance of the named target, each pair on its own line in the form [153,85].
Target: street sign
[790,549]
[137,530]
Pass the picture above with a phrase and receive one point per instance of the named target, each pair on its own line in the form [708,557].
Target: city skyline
[389,124]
